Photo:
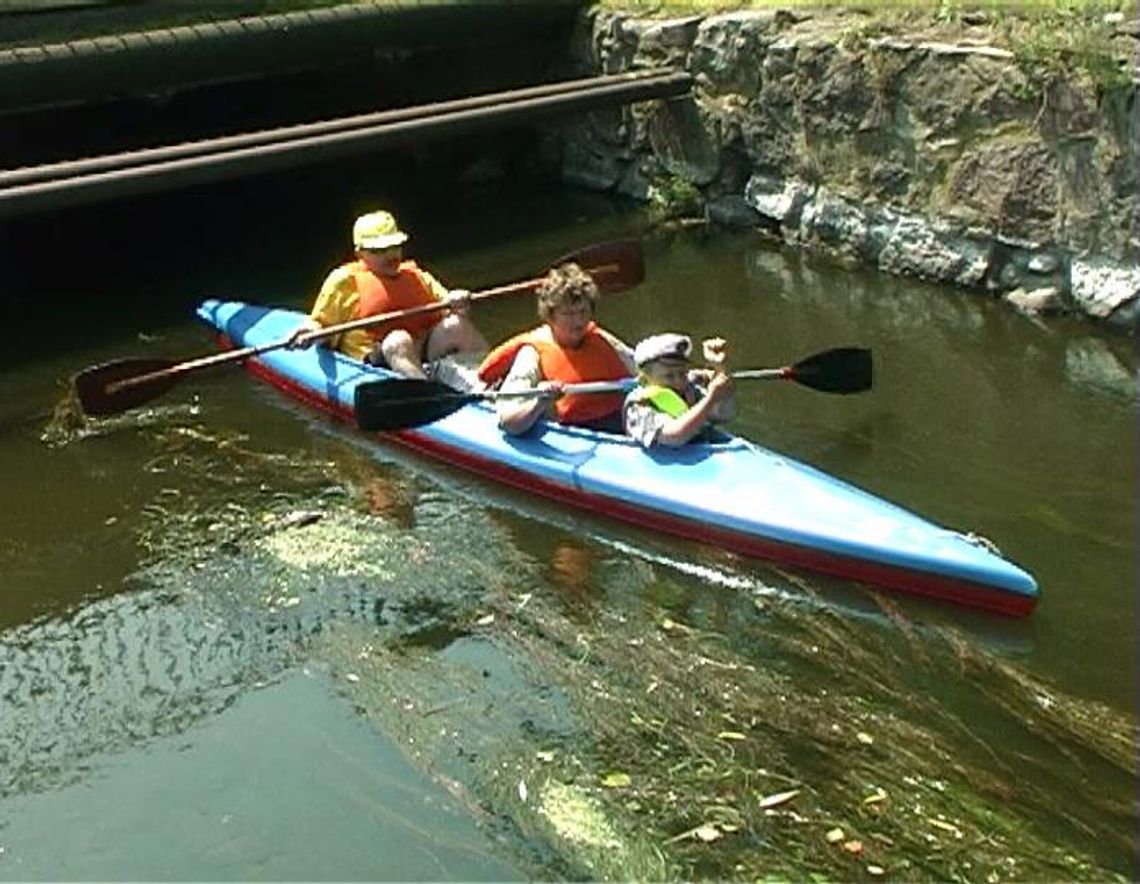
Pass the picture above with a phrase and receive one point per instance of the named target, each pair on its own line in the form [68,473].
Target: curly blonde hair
[566,285]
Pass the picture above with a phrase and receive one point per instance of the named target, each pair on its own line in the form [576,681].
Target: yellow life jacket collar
[665,399]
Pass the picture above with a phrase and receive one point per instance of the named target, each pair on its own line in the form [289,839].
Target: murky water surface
[239,642]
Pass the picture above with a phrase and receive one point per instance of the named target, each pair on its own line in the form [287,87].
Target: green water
[239,642]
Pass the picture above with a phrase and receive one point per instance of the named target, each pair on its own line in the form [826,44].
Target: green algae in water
[333,546]
[728,705]
[576,816]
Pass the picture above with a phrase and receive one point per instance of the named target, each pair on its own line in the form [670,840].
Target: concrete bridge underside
[132,59]
[140,85]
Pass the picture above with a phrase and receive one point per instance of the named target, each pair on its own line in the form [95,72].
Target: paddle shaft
[115,386]
[244,353]
[624,385]
[762,374]
[403,403]
[190,365]
[585,388]
[514,288]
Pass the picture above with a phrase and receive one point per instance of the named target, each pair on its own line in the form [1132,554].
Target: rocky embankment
[960,150]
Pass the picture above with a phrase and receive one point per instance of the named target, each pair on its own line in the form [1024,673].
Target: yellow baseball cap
[377,230]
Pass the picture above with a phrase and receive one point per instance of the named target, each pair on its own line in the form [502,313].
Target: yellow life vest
[665,399]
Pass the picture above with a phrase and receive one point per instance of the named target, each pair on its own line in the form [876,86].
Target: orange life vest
[594,359]
[382,294]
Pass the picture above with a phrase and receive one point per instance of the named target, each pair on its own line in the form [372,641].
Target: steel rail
[109,162]
[275,155]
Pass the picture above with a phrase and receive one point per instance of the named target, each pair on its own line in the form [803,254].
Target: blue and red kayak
[730,493]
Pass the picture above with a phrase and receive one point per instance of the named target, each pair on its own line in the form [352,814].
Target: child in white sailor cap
[675,402]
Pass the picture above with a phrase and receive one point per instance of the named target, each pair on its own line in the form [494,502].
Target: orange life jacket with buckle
[594,359]
[382,294]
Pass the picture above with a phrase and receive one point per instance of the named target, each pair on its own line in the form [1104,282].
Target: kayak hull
[733,494]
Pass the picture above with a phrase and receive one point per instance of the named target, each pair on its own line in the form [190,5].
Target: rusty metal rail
[42,188]
[109,162]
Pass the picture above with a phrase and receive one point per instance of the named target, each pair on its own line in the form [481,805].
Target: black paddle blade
[98,397]
[403,403]
[841,370]
[615,266]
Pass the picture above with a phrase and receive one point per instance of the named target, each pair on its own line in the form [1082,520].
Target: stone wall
[919,152]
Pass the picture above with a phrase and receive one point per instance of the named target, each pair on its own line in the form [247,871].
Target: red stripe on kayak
[922,583]
[934,586]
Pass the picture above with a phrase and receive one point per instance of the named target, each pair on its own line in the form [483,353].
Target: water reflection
[1103,363]
[1092,363]
[118,672]
[196,632]
[570,567]
[388,493]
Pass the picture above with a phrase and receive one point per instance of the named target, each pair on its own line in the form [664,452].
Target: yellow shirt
[337,302]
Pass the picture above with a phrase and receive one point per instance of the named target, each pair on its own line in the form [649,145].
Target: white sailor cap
[669,345]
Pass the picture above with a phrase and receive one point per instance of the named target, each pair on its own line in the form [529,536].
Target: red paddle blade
[98,396]
[616,265]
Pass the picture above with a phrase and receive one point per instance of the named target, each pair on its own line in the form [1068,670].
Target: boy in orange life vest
[569,347]
[676,403]
[381,281]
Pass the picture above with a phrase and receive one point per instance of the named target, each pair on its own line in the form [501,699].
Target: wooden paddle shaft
[613,267]
[315,335]
[514,288]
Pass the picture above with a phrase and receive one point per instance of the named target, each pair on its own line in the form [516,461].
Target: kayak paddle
[840,370]
[404,403]
[122,384]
